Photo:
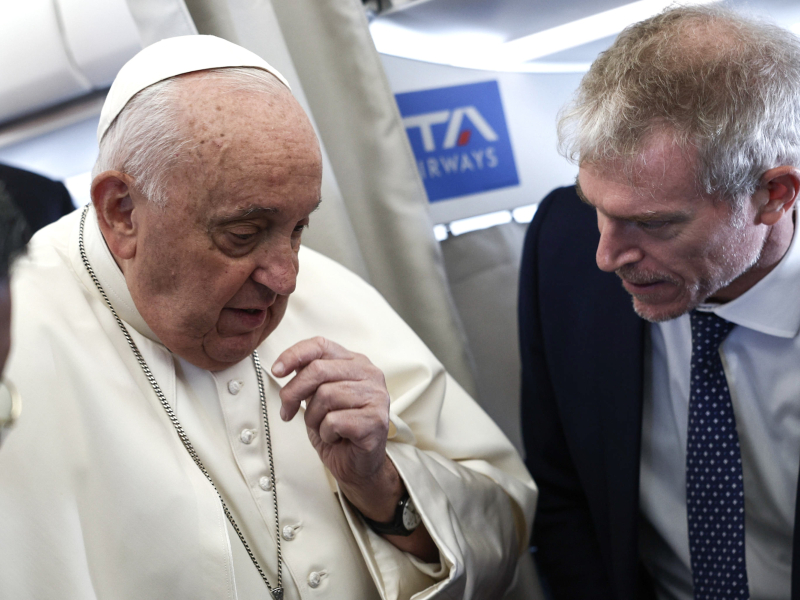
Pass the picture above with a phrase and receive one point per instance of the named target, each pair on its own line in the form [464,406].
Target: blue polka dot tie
[714,487]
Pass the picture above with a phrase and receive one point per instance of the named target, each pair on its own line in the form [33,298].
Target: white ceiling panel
[53,51]
[100,35]
[528,35]
[34,68]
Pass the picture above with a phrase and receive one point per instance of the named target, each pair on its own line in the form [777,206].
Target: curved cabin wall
[54,51]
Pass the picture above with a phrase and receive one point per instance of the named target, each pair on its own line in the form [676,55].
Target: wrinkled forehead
[237,137]
[661,160]
[220,116]
[206,96]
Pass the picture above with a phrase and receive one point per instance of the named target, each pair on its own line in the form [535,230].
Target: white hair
[149,137]
[719,83]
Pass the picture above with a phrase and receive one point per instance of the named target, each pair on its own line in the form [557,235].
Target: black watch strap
[406,519]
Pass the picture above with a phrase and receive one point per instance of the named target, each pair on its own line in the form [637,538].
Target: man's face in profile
[213,269]
[673,247]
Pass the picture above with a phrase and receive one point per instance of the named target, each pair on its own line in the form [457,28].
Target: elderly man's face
[213,271]
[672,247]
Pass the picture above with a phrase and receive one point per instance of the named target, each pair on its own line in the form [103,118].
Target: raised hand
[347,419]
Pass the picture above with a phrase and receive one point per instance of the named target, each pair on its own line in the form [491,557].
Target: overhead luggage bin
[57,50]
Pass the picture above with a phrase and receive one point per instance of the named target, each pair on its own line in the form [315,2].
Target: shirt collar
[111,278]
[770,306]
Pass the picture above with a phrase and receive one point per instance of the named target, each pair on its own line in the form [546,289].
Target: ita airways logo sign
[460,139]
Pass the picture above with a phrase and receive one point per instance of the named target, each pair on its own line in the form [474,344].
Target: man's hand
[347,407]
[347,419]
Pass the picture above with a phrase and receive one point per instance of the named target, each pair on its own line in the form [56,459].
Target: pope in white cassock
[201,418]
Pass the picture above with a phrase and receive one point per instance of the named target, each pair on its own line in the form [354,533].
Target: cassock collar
[771,305]
[111,277]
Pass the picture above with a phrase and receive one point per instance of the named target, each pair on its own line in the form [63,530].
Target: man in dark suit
[40,199]
[662,416]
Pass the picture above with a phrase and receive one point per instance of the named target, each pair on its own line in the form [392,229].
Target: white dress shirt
[761,358]
[99,499]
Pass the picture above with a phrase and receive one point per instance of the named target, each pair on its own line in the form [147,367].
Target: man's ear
[781,186]
[111,196]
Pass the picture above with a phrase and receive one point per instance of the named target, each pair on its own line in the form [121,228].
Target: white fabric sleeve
[477,505]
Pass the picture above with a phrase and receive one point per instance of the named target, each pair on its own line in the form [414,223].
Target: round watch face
[411,517]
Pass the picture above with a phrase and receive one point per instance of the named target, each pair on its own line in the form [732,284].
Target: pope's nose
[277,270]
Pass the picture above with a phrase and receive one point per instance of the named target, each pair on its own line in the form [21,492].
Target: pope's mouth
[244,320]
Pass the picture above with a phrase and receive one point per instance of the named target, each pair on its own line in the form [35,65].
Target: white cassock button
[235,386]
[247,435]
[265,483]
[314,579]
[288,533]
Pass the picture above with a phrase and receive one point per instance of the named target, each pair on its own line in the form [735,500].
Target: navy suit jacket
[41,200]
[582,349]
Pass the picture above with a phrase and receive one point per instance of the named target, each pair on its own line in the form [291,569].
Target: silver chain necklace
[276,592]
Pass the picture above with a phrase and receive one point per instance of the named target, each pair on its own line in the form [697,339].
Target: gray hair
[149,137]
[723,84]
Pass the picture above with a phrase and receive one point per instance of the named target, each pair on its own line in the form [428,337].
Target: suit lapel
[596,343]
[620,371]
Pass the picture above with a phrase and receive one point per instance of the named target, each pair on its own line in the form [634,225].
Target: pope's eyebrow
[255,211]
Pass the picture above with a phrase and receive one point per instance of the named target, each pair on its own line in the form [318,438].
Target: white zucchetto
[171,57]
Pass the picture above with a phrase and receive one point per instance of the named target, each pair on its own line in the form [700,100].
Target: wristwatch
[406,519]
